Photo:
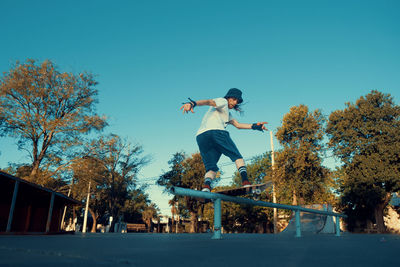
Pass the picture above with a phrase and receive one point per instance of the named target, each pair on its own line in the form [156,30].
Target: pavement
[139,249]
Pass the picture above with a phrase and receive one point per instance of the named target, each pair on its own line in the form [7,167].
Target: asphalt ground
[137,249]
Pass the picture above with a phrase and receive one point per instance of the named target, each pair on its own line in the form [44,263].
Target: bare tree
[116,163]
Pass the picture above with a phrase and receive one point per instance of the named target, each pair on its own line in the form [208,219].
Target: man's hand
[187,107]
[259,126]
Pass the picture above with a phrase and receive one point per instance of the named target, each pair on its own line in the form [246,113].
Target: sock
[207,181]
[243,173]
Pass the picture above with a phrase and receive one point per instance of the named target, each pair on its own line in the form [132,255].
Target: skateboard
[254,191]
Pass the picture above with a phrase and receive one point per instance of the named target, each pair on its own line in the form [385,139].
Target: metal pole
[65,209]
[177,218]
[241,200]
[50,214]
[12,207]
[298,223]
[273,185]
[337,225]
[86,211]
[217,219]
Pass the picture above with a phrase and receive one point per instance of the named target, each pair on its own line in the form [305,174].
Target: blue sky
[149,56]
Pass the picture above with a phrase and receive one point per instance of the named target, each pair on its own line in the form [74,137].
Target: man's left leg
[229,149]
[240,165]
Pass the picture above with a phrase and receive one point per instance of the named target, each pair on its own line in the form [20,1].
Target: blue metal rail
[240,200]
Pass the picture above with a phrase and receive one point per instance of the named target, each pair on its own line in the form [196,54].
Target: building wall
[6,193]
[32,206]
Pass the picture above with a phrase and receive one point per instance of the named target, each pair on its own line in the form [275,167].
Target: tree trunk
[94,221]
[193,222]
[148,223]
[114,221]
[35,163]
[38,157]
[34,173]
[294,202]
[113,213]
[73,217]
[172,222]
[380,224]
[379,214]
[173,217]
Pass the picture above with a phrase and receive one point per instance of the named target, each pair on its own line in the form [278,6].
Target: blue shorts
[213,144]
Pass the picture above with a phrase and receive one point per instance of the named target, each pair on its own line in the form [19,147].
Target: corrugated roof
[9,176]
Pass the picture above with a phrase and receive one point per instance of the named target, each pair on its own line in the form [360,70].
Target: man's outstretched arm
[189,106]
[255,126]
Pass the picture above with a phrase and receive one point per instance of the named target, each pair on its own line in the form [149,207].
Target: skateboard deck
[254,190]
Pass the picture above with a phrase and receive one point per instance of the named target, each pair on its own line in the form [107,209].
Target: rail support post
[298,223]
[50,213]
[337,223]
[217,219]
[12,208]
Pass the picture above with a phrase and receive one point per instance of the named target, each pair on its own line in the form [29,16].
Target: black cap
[236,93]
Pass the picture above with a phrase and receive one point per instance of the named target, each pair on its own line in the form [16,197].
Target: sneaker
[206,188]
[246,183]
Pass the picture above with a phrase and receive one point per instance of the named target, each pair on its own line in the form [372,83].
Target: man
[213,139]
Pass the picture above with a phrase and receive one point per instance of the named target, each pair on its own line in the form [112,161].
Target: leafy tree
[173,177]
[193,176]
[259,170]
[84,171]
[138,201]
[366,137]
[299,172]
[47,111]
[187,172]
[148,214]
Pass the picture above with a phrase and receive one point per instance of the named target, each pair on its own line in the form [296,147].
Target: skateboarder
[212,138]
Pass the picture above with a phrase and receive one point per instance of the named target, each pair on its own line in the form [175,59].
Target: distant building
[29,208]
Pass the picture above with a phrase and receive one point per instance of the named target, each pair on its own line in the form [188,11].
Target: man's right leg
[210,157]
[208,179]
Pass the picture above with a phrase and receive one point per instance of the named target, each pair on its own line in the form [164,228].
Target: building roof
[67,199]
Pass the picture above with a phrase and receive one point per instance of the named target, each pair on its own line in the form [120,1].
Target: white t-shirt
[216,118]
